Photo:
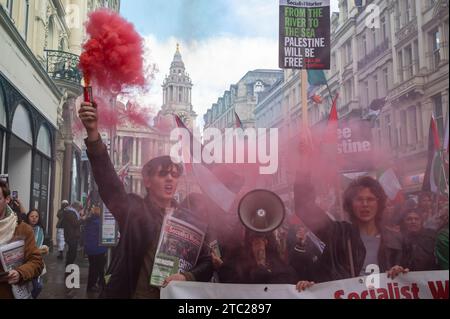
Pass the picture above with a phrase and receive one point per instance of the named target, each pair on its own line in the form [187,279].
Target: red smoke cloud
[112,56]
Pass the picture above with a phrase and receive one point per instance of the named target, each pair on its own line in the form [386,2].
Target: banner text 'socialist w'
[304,34]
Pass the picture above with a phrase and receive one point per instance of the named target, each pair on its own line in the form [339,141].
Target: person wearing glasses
[140,219]
[354,248]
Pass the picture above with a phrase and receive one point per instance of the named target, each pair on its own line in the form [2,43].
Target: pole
[304,97]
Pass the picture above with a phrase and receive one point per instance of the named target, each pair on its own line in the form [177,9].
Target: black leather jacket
[334,264]
[139,224]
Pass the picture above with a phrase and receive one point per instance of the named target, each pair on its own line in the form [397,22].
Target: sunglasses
[173,173]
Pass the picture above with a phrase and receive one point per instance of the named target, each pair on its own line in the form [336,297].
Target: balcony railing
[375,53]
[63,66]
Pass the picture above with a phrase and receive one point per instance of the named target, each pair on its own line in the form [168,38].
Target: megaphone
[261,211]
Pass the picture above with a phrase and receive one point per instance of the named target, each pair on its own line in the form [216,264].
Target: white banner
[415,285]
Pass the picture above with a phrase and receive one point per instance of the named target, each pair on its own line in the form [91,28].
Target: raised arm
[110,187]
[308,211]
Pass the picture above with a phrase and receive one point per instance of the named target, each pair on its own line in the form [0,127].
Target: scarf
[38,235]
[7,226]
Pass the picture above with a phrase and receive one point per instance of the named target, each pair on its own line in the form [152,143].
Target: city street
[54,282]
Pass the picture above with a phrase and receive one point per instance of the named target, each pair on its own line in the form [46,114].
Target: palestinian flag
[436,174]
[316,78]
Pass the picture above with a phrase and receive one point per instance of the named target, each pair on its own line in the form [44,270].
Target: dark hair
[39,223]
[412,210]
[5,188]
[375,187]
[165,162]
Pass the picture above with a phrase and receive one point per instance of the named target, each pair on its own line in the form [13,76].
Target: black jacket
[303,258]
[139,224]
[419,251]
[60,216]
[71,224]
[338,236]
[242,269]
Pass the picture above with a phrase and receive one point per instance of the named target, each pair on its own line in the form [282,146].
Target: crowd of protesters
[311,246]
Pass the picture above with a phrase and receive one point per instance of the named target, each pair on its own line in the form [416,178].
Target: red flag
[238,121]
[330,136]
[329,154]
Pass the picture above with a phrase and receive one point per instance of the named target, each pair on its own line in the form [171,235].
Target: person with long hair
[357,247]
[34,220]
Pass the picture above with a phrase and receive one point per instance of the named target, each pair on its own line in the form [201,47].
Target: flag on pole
[316,79]
[375,109]
[206,177]
[123,173]
[435,179]
[332,125]
[238,121]
[391,185]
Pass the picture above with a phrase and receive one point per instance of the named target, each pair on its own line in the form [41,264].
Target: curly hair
[357,185]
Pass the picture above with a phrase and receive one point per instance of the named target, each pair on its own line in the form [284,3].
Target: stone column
[139,152]
[133,153]
[120,150]
[422,45]
[443,32]
[395,63]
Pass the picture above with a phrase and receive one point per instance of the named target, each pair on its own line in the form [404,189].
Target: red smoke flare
[136,114]
[112,56]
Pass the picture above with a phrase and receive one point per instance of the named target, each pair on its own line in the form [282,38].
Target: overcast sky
[220,41]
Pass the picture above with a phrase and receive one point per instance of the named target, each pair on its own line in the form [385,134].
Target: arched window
[44,144]
[51,34]
[21,125]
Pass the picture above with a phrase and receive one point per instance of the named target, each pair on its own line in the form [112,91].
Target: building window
[400,65]
[408,11]
[347,52]
[333,62]
[389,130]
[344,10]
[386,81]
[366,93]
[439,114]
[384,35]
[408,62]
[416,58]
[375,82]
[9,6]
[412,124]
[348,91]
[364,45]
[403,129]
[436,45]
[40,192]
